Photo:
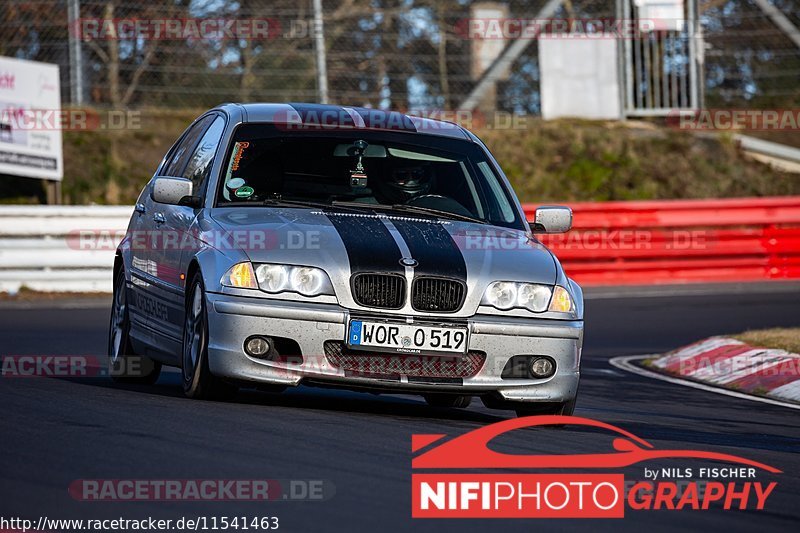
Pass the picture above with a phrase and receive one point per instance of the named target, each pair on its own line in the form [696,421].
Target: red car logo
[471,449]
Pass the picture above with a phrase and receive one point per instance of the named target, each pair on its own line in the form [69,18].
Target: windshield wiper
[405,208]
[436,212]
[279,202]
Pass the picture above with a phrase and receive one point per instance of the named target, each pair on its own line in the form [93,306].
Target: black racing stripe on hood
[370,247]
[434,249]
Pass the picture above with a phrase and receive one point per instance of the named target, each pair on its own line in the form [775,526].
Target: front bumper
[232,319]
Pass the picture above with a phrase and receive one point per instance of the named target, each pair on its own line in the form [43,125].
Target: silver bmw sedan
[286,244]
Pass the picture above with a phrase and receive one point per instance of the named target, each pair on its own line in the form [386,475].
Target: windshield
[372,170]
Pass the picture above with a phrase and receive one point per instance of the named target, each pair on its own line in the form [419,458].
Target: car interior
[327,170]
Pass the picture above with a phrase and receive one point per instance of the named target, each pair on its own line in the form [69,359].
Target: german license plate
[406,338]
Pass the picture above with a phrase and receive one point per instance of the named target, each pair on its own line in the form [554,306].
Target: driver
[405,183]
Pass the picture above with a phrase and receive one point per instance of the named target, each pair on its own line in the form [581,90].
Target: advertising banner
[30,119]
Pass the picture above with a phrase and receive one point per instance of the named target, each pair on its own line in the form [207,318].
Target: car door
[162,288]
[144,236]
[141,264]
[178,221]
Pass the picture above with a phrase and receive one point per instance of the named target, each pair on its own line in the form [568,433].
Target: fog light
[542,367]
[257,346]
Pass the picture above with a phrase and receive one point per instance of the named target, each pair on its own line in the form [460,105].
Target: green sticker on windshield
[244,192]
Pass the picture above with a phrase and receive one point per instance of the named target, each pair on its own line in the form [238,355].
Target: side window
[176,164]
[500,198]
[200,163]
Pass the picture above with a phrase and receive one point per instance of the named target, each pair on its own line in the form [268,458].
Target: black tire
[448,400]
[564,409]
[198,381]
[123,363]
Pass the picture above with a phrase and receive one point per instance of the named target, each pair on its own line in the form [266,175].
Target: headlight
[308,281]
[537,298]
[533,297]
[273,278]
[240,276]
[501,294]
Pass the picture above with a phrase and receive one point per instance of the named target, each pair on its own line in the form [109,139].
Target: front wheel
[198,381]
[124,365]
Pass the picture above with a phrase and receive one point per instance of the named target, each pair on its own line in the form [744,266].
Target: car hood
[348,242]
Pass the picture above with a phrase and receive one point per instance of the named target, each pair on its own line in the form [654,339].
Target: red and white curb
[727,366]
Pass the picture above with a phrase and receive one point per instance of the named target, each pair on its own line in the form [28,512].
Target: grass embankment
[775,338]
[111,167]
[570,160]
[564,160]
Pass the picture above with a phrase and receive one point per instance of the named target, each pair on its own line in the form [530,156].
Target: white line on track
[600,372]
[624,363]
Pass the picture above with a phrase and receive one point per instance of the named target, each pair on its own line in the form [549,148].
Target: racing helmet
[405,183]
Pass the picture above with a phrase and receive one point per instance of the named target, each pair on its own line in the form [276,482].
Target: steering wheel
[414,199]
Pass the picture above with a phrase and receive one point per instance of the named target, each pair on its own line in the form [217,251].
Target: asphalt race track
[54,431]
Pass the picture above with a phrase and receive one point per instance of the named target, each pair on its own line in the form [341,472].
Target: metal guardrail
[612,243]
[681,241]
[780,156]
[40,247]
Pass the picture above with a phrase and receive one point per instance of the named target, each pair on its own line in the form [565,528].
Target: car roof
[310,114]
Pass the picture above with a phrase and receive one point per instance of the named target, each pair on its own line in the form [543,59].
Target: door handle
[140,209]
[158,218]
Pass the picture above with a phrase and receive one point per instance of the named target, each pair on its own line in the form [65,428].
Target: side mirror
[173,191]
[552,219]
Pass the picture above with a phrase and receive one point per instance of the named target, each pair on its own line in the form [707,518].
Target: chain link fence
[399,54]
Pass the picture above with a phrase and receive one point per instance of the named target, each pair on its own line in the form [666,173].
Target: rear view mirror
[169,190]
[351,150]
[552,219]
